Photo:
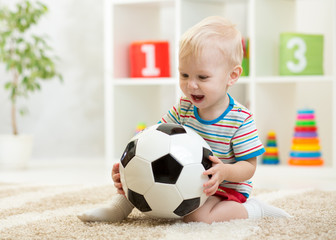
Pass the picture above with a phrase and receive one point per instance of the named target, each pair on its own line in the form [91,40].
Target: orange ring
[305,161]
[306,141]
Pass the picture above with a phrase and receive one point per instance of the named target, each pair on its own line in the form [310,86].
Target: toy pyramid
[140,126]
[271,156]
[306,150]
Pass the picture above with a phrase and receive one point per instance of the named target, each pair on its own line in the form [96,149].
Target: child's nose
[192,84]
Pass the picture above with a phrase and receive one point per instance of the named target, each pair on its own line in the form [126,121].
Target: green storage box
[301,54]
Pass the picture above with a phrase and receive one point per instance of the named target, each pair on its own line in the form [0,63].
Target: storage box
[301,54]
[246,57]
[149,59]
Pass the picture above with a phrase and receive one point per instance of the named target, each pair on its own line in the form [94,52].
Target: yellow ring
[306,147]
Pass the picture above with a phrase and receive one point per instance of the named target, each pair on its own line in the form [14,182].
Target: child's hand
[116,179]
[211,186]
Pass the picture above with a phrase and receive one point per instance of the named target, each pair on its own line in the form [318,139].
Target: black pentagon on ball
[205,159]
[171,128]
[129,153]
[166,169]
[187,206]
[138,201]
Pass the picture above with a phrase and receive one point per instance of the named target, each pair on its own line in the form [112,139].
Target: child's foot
[258,209]
[118,210]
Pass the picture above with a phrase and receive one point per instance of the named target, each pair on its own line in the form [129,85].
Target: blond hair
[216,31]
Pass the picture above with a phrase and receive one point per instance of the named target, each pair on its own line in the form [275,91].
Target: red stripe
[187,116]
[163,120]
[209,140]
[226,126]
[244,134]
[249,149]
[175,111]
[185,100]
[236,110]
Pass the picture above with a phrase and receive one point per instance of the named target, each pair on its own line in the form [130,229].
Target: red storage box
[149,59]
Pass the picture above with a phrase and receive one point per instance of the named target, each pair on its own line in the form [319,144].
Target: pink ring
[305,116]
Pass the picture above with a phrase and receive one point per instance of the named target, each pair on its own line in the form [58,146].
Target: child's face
[205,79]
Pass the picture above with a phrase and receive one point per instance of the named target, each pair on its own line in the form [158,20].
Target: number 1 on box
[150,69]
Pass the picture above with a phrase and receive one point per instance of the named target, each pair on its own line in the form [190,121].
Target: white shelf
[273,99]
[294,79]
[144,81]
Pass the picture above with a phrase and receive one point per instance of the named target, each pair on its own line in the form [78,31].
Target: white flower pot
[15,151]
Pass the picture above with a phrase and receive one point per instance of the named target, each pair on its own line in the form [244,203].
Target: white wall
[66,119]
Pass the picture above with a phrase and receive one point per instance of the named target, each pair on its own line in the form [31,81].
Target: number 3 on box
[150,69]
[299,54]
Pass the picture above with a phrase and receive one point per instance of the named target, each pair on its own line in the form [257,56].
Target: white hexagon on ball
[191,180]
[138,175]
[152,145]
[186,149]
[158,194]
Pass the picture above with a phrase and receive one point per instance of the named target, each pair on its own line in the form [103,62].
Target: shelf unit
[272,98]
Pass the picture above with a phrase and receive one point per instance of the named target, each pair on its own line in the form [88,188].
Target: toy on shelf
[271,156]
[246,57]
[140,126]
[149,59]
[305,150]
[301,54]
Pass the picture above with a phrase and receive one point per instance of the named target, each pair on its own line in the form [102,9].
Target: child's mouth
[197,98]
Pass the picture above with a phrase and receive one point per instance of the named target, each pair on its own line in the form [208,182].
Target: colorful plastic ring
[271,144]
[305,162]
[305,129]
[306,147]
[305,116]
[306,111]
[271,149]
[268,156]
[305,154]
[306,140]
[305,134]
[271,161]
[305,123]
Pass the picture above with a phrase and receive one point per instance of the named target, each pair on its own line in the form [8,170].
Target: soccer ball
[162,170]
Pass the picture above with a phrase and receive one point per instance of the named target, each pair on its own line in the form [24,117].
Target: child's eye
[184,75]
[202,77]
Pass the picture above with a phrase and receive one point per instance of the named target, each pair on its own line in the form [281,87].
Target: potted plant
[29,61]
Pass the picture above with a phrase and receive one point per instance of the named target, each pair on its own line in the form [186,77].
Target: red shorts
[228,194]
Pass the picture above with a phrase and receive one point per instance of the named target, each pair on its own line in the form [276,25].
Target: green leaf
[8,85]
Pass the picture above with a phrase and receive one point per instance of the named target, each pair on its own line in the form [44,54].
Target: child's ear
[235,74]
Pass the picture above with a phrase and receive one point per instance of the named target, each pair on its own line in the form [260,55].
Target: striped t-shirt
[232,136]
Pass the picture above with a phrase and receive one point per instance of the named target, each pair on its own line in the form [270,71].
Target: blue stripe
[250,139]
[232,120]
[247,123]
[185,109]
[207,133]
[251,155]
[173,117]
[221,152]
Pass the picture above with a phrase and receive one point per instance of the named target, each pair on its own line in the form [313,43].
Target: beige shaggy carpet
[49,212]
